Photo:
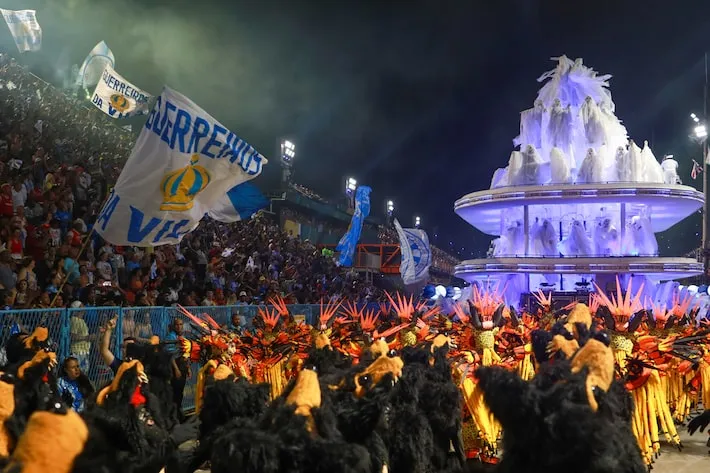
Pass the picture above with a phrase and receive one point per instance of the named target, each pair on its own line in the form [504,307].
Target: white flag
[24,28]
[416,254]
[117,97]
[94,64]
[183,163]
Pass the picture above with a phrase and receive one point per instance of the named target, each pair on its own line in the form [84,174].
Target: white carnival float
[578,201]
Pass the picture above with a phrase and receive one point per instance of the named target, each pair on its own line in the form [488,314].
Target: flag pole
[87,239]
[84,245]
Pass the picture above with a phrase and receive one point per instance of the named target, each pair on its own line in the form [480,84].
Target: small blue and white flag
[416,254]
[91,70]
[24,28]
[118,98]
[240,203]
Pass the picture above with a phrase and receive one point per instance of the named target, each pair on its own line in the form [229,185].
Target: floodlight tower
[288,153]
[390,210]
[350,188]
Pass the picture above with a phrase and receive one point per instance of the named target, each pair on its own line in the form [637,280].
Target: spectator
[112,361]
[181,367]
[73,385]
[80,337]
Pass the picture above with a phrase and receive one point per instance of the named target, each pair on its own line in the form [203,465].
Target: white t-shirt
[19,198]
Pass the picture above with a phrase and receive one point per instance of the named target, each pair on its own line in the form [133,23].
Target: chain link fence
[78,332]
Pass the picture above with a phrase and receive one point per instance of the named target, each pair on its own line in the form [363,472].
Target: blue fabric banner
[348,243]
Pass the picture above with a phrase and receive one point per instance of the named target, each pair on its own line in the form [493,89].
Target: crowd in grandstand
[57,161]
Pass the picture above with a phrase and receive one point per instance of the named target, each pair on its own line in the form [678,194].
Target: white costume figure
[652,169]
[559,167]
[515,167]
[559,128]
[531,126]
[670,171]
[635,162]
[640,239]
[591,170]
[577,243]
[605,237]
[500,178]
[512,241]
[593,123]
[543,238]
[623,168]
[531,172]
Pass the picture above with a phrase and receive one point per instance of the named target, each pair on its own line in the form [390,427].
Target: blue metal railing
[137,322]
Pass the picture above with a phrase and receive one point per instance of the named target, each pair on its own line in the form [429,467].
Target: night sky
[418,99]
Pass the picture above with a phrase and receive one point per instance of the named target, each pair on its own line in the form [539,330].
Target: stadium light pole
[350,188]
[390,211]
[701,133]
[288,154]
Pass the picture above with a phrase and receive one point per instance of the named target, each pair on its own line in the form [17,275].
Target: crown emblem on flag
[120,102]
[180,187]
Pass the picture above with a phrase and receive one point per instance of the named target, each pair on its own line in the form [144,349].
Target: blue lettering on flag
[137,232]
[189,133]
[108,210]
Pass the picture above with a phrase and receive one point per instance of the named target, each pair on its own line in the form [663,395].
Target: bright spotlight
[350,185]
[457,293]
[390,208]
[417,222]
[440,291]
[288,152]
[693,289]
[700,131]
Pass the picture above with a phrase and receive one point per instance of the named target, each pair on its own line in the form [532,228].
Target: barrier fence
[65,325]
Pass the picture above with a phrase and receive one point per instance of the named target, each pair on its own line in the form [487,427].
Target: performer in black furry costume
[227,401]
[127,430]
[573,416]
[298,433]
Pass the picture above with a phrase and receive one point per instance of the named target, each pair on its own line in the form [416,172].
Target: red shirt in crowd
[6,208]
[15,246]
[75,237]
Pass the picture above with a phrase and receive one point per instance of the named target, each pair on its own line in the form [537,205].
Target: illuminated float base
[567,273]
[667,204]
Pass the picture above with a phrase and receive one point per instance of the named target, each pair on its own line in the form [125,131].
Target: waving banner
[416,254]
[117,97]
[24,28]
[348,242]
[182,165]
[93,66]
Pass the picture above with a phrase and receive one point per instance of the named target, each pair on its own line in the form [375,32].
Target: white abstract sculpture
[640,239]
[605,237]
[670,171]
[574,112]
[543,238]
[577,243]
